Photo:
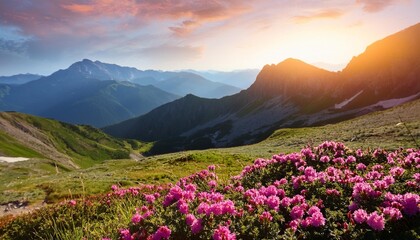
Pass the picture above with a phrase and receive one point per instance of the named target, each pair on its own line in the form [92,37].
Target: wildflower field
[328,191]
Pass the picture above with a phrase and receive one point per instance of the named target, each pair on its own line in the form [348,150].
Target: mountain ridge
[289,94]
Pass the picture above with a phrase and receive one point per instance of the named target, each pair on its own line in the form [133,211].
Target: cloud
[321,14]
[376,5]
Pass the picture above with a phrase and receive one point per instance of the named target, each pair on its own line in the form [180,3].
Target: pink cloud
[321,14]
[377,5]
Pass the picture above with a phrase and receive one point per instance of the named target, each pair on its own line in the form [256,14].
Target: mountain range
[239,78]
[19,78]
[289,94]
[101,94]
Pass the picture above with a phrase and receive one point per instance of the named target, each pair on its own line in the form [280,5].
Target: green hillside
[24,135]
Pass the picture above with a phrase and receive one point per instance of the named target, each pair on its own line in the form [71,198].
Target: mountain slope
[178,83]
[70,146]
[189,83]
[19,78]
[72,96]
[239,78]
[289,94]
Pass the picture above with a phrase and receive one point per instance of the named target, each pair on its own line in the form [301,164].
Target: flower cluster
[329,186]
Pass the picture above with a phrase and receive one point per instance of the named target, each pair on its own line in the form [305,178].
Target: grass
[11,147]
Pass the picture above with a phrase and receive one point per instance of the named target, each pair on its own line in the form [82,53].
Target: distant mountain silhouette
[239,78]
[76,95]
[289,94]
[178,83]
[19,78]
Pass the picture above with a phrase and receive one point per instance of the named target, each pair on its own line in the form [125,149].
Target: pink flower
[114,187]
[396,171]
[223,233]
[212,184]
[350,159]
[410,202]
[266,217]
[203,208]
[294,225]
[317,219]
[273,202]
[183,206]
[393,213]
[197,226]
[360,216]
[296,212]
[72,203]
[285,202]
[324,159]
[360,166]
[150,198]
[313,209]
[211,167]
[162,233]
[189,219]
[125,234]
[376,221]
[136,218]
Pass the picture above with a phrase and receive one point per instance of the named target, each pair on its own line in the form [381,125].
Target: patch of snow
[345,102]
[13,159]
[396,101]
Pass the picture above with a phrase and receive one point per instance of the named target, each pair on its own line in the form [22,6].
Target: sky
[42,36]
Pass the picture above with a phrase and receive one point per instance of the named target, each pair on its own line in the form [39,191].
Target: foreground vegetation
[324,191]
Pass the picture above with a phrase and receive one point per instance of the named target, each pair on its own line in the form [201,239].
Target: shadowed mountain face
[101,94]
[73,96]
[178,83]
[19,78]
[289,94]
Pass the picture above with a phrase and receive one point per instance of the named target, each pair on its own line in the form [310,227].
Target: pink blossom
[324,159]
[266,217]
[285,202]
[294,225]
[376,221]
[360,166]
[72,203]
[396,171]
[162,233]
[197,226]
[136,218]
[317,219]
[393,213]
[183,206]
[223,233]
[273,202]
[114,187]
[296,212]
[313,210]
[211,167]
[360,216]
[189,219]
[150,198]
[212,184]
[125,234]
[410,203]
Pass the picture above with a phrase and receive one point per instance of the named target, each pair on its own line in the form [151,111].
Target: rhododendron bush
[328,191]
